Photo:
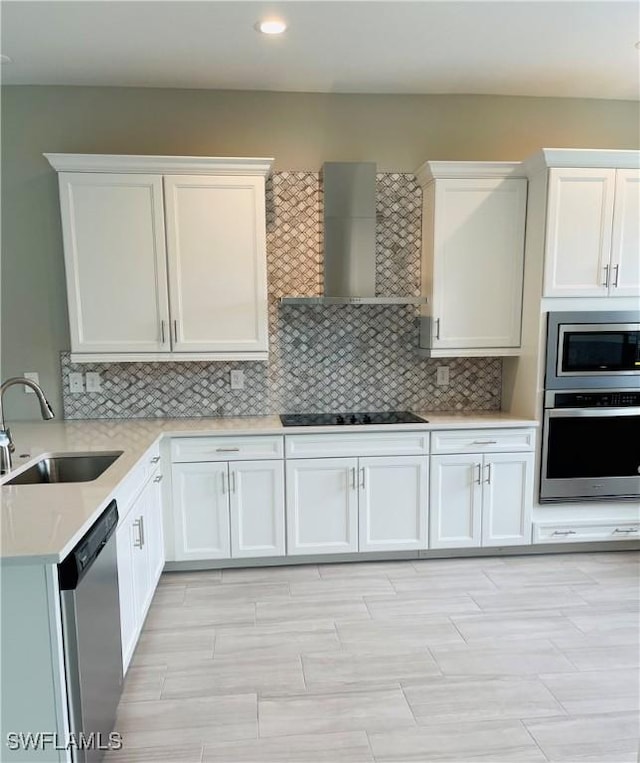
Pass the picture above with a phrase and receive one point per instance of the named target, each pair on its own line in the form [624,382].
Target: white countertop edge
[227,427]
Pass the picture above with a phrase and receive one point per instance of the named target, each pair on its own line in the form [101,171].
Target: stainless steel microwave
[593,350]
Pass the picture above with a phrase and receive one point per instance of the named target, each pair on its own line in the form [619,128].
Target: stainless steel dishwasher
[90,605]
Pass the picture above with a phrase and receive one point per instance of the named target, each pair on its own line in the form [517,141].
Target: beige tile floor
[494,659]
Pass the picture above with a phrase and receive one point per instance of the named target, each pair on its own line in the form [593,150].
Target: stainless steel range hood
[350,239]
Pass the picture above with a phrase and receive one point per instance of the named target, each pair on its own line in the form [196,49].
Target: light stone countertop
[42,523]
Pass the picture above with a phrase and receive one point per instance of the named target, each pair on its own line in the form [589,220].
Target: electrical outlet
[94,381]
[76,383]
[237,379]
[442,376]
[34,376]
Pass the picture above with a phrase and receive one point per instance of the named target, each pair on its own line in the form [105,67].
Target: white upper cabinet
[113,230]
[579,226]
[625,242]
[217,268]
[592,233]
[473,257]
[165,257]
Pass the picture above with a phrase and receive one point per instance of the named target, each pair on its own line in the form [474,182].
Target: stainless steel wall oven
[591,427]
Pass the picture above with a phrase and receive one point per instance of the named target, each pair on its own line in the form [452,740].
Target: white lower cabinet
[140,551]
[455,514]
[393,503]
[257,508]
[227,510]
[201,510]
[481,500]
[339,505]
[322,505]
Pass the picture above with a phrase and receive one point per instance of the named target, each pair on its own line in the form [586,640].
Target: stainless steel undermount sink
[81,467]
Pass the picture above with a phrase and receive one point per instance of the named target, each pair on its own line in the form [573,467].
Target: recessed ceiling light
[5,59]
[271,26]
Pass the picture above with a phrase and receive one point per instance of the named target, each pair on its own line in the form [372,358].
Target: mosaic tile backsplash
[321,358]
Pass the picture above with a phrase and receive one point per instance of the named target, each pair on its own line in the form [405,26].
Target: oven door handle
[555,413]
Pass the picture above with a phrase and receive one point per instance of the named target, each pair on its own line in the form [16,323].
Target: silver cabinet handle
[362,473]
[616,269]
[488,467]
[137,523]
[224,482]
[227,450]
[155,459]
[484,442]
[564,532]
[158,478]
[353,478]
[175,331]
[478,479]
[143,539]
[606,275]
[625,530]
[233,482]
[437,327]
[162,332]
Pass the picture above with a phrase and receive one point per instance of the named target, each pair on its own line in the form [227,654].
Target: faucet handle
[6,448]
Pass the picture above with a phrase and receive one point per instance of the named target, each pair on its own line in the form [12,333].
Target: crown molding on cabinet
[430,171]
[580,157]
[164,165]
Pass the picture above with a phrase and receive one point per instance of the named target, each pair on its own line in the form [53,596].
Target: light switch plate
[237,379]
[34,377]
[76,383]
[442,376]
[93,381]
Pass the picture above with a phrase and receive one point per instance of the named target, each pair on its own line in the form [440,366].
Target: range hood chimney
[350,239]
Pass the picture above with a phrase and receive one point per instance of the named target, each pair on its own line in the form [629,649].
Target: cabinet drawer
[482,440]
[129,488]
[191,449]
[568,532]
[345,445]
[151,460]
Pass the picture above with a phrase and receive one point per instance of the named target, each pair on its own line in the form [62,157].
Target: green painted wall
[300,130]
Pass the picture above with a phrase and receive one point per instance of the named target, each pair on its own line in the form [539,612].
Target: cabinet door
[455,509]
[257,508]
[578,239]
[115,261]
[217,263]
[322,505]
[154,536]
[141,576]
[128,611]
[507,499]
[478,251]
[201,511]
[393,503]
[625,243]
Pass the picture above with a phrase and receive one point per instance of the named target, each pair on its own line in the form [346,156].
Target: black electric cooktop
[349,419]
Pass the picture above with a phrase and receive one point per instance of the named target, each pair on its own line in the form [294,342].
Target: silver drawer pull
[227,450]
[564,532]
[625,530]
[484,442]
[155,460]
[158,478]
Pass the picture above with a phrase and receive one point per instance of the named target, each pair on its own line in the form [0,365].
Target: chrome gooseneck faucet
[6,443]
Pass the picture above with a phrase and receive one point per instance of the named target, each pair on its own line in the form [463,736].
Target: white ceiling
[578,48]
